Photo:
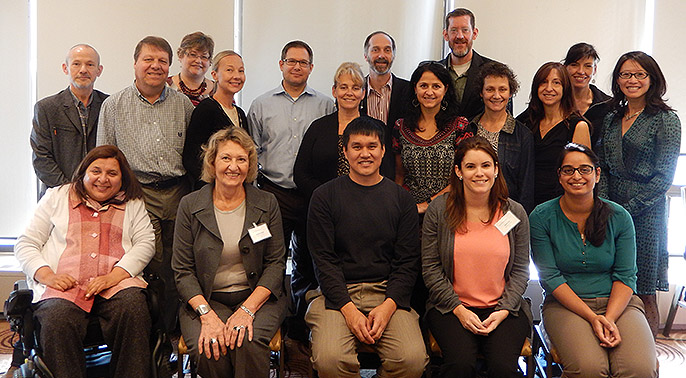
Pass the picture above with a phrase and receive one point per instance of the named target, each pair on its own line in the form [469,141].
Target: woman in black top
[320,157]
[216,112]
[554,121]
[581,62]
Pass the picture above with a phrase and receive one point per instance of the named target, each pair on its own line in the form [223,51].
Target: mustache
[381,60]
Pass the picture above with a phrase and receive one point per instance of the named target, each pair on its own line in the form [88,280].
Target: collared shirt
[83,109]
[459,75]
[491,136]
[84,113]
[278,123]
[150,135]
[379,102]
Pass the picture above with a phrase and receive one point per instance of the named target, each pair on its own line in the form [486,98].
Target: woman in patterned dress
[641,141]
[425,140]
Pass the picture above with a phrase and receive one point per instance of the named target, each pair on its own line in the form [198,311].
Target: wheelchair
[19,313]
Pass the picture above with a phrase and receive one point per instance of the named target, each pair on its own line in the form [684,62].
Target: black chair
[19,313]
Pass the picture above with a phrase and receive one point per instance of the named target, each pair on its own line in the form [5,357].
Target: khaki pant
[334,347]
[580,352]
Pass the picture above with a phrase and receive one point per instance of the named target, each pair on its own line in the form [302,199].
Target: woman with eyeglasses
[585,252]
[581,62]
[216,112]
[554,121]
[641,142]
[194,54]
[425,140]
[475,263]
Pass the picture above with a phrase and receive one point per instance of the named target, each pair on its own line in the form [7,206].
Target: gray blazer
[57,138]
[437,261]
[198,244]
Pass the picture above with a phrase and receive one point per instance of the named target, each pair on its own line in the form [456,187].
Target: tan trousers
[580,352]
[334,347]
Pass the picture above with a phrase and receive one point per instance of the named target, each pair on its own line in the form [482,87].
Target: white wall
[336,33]
[115,27]
[524,34]
[18,188]
[668,50]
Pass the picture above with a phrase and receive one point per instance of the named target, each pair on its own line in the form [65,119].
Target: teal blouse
[561,257]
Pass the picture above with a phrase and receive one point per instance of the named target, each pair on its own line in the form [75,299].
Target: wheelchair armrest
[19,300]
[153,293]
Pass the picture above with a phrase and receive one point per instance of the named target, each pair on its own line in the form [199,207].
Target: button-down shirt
[378,102]
[278,123]
[150,135]
[84,113]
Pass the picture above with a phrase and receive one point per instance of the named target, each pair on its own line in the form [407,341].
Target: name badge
[259,233]
[505,224]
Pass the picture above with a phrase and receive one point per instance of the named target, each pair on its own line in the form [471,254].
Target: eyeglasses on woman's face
[584,169]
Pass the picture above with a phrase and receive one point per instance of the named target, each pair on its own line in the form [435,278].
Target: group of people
[401,200]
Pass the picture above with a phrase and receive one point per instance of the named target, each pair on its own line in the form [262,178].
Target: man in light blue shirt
[278,120]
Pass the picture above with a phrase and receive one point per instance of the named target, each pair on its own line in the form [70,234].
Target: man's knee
[407,361]
[332,363]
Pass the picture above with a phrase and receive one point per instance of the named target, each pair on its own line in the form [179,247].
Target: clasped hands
[368,329]
[216,336]
[606,331]
[94,286]
[471,322]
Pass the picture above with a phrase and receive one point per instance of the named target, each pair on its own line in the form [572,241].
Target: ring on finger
[238,328]
[213,341]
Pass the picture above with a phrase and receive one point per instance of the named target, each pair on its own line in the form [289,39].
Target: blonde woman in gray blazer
[229,263]
[475,264]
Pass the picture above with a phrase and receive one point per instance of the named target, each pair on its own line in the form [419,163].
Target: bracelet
[247,311]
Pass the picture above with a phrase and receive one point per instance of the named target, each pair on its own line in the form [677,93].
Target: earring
[593,80]
[415,103]
[460,177]
[444,105]
[496,176]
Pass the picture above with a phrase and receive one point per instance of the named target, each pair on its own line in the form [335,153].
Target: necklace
[628,117]
[192,92]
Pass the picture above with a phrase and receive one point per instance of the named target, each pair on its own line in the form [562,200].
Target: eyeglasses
[293,62]
[568,170]
[638,75]
[194,56]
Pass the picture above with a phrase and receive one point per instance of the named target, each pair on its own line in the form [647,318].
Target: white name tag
[259,233]
[505,224]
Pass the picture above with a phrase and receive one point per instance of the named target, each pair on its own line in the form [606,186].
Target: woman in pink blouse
[475,263]
[83,254]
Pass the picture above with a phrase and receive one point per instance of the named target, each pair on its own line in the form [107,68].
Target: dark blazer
[472,104]
[438,242]
[317,160]
[401,98]
[198,245]
[517,160]
[57,138]
[207,118]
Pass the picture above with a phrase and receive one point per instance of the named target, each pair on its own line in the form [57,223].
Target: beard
[381,66]
[461,54]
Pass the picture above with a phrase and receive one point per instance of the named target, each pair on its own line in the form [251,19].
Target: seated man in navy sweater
[363,237]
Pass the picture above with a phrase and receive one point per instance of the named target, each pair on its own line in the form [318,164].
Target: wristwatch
[202,309]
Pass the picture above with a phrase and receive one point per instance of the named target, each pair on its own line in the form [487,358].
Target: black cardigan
[207,118]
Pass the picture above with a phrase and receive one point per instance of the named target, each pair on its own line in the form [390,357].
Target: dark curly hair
[444,116]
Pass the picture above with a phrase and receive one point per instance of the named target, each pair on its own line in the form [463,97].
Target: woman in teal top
[638,154]
[585,252]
